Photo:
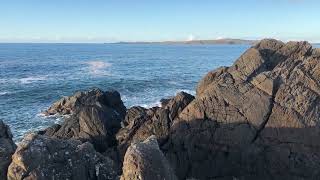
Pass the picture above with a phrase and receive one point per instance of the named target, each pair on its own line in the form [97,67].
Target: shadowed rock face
[95,117]
[205,149]
[41,157]
[145,161]
[7,148]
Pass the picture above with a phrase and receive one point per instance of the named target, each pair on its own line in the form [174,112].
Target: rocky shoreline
[258,119]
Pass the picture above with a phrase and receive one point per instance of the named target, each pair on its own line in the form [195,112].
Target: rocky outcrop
[7,148]
[141,123]
[95,117]
[81,99]
[144,160]
[40,157]
[258,118]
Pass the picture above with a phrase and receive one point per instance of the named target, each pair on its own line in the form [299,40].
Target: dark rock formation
[141,123]
[256,119]
[7,148]
[177,104]
[73,104]
[95,117]
[40,157]
[145,161]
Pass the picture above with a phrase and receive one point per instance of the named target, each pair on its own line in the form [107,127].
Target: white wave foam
[99,68]
[187,91]
[4,93]
[32,79]
[156,104]
[57,118]
[173,82]
[43,115]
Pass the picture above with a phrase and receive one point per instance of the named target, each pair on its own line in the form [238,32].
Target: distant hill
[215,41]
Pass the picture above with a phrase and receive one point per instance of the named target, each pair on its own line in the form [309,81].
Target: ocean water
[33,76]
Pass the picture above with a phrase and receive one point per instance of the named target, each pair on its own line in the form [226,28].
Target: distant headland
[207,41]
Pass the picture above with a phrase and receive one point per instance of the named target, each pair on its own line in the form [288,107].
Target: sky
[157,20]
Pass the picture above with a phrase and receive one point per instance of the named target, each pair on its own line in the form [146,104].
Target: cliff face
[268,77]
[258,119]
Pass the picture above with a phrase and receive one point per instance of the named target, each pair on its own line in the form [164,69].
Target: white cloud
[191,37]
[220,37]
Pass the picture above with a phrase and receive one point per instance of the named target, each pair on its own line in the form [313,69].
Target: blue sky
[157,20]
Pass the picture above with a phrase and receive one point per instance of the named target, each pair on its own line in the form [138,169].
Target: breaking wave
[4,93]
[32,79]
[99,68]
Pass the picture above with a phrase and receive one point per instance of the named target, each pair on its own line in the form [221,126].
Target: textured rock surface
[258,118]
[177,104]
[141,123]
[144,161]
[42,157]
[96,117]
[7,148]
[74,103]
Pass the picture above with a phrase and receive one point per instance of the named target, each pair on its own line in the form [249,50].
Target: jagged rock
[209,78]
[177,104]
[74,103]
[316,52]
[141,123]
[7,148]
[145,160]
[42,157]
[96,117]
[132,114]
[50,131]
[258,118]
[244,91]
[147,122]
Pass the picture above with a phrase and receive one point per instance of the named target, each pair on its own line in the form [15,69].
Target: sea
[33,76]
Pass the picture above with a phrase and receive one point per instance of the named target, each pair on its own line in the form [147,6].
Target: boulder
[144,160]
[96,117]
[257,119]
[74,103]
[7,148]
[42,157]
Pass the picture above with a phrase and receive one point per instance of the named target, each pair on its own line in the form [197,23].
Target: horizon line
[154,41]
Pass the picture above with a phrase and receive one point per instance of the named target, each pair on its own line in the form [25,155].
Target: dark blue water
[32,76]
